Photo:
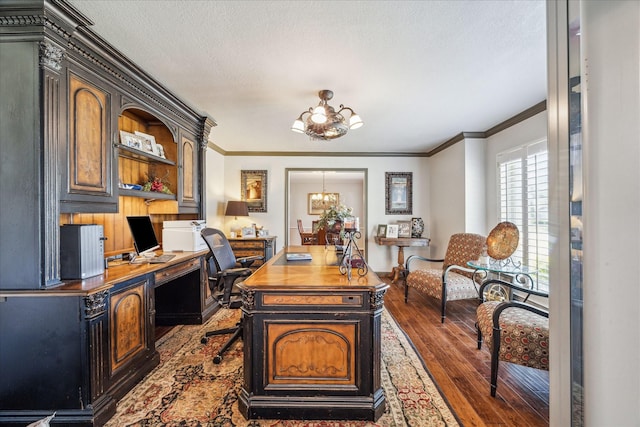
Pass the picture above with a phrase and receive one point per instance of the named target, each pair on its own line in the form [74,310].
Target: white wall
[380,258]
[611,211]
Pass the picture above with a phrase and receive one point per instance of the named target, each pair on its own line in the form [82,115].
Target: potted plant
[332,218]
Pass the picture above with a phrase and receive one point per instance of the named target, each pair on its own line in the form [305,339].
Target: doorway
[302,183]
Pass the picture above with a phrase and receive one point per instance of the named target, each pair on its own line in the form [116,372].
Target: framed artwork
[398,193]
[404,228]
[382,230]
[392,231]
[248,232]
[253,186]
[317,205]
[131,140]
[148,143]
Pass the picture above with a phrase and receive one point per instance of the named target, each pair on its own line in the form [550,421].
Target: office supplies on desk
[298,256]
[161,259]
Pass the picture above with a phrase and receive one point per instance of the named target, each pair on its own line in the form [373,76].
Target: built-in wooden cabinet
[88,185]
[65,96]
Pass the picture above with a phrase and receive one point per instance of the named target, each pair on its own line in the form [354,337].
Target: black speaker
[81,251]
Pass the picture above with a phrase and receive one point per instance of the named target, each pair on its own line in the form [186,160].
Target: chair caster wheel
[204,340]
[217,359]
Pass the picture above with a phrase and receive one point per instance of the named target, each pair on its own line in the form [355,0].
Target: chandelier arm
[342,107]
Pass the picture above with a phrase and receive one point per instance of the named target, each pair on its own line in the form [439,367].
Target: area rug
[188,389]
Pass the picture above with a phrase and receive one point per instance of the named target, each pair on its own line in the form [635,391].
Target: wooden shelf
[132,153]
[147,194]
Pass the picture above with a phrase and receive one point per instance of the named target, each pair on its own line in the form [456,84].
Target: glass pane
[575,193]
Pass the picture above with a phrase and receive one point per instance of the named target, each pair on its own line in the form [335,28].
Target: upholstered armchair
[515,332]
[454,280]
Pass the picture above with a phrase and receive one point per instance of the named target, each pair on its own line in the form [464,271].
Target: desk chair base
[236,332]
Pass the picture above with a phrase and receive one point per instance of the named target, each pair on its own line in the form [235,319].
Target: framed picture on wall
[320,202]
[398,193]
[253,186]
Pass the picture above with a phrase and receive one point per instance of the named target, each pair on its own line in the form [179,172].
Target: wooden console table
[311,340]
[250,246]
[401,243]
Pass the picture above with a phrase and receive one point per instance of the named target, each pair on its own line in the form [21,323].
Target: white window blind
[524,201]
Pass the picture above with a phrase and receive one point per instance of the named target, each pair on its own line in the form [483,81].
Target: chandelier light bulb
[298,126]
[319,115]
[355,122]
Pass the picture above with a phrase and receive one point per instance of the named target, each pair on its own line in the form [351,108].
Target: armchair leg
[406,292]
[444,310]
[479,336]
[495,354]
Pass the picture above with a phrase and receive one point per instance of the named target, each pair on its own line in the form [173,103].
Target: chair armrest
[507,304]
[248,260]
[509,285]
[236,272]
[420,258]
[458,268]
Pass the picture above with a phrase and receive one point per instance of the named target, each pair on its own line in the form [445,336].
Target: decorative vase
[417,227]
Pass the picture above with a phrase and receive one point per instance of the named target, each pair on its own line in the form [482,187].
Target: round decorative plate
[503,240]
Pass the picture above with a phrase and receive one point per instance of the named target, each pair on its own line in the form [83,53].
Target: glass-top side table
[524,276]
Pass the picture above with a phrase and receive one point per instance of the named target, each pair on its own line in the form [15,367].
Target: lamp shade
[237,208]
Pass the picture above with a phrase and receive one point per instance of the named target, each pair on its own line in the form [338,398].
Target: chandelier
[323,122]
[324,196]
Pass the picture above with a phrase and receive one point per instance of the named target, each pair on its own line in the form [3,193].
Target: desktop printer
[183,235]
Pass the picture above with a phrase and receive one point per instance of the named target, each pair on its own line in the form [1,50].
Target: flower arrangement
[156,183]
[331,216]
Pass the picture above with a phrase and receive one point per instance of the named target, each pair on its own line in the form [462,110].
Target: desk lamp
[235,209]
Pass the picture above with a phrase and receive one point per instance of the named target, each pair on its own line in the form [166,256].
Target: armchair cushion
[429,281]
[524,336]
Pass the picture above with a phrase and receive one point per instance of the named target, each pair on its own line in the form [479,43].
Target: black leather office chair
[224,270]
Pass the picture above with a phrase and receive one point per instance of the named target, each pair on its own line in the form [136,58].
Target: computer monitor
[144,237]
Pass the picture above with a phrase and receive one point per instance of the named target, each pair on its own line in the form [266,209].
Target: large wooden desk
[311,340]
[401,243]
[78,348]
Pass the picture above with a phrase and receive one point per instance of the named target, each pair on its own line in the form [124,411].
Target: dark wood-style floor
[462,371]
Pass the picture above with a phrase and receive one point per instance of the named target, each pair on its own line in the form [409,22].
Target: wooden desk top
[116,273]
[403,241]
[319,273]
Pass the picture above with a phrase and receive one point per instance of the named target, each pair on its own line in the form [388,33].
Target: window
[524,200]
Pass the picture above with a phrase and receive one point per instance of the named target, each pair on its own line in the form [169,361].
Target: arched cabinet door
[189,192]
[88,184]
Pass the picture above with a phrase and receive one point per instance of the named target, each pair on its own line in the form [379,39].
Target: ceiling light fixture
[323,122]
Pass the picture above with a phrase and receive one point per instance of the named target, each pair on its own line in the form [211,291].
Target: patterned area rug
[188,389]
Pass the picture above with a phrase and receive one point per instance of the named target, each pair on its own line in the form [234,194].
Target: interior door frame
[364,218]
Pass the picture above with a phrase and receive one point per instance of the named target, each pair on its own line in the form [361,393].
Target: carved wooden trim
[248,299]
[377,299]
[51,56]
[95,304]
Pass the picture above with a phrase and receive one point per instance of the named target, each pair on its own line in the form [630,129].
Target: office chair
[224,270]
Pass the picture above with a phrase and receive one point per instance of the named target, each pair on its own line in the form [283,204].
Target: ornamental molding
[376,299]
[51,56]
[95,304]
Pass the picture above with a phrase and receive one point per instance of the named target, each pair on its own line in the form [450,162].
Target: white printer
[183,235]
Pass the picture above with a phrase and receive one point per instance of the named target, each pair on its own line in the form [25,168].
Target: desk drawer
[178,270]
[306,300]
[249,244]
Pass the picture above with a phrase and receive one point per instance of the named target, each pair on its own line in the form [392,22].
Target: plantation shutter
[524,200]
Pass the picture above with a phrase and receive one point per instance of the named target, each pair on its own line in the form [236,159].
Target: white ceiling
[417,72]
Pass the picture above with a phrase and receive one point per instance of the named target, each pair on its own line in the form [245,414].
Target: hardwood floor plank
[462,371]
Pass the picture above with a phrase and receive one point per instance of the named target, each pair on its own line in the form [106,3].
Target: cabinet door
[188,193]
[129,328]
[89,185]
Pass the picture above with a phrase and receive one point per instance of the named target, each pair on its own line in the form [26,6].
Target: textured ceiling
[417,72]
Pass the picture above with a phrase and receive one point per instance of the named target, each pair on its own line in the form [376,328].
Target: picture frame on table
[398,193]
[317,206]
[253,188]
[248,232]
[392,231]
[382,230]
[404,228]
